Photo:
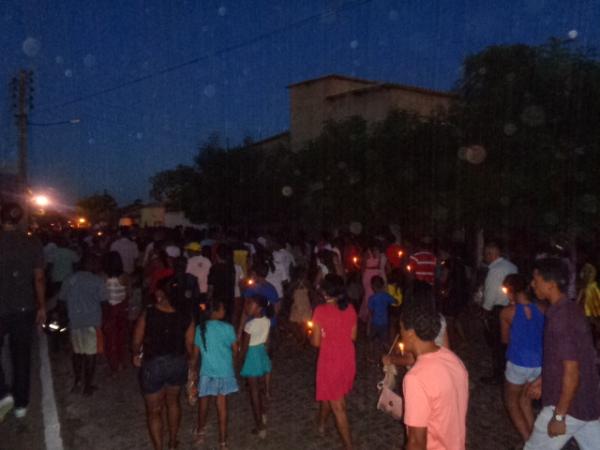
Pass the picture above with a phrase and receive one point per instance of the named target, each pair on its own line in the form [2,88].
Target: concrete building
[336,97]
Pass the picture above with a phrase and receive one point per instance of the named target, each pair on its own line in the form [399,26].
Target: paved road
[114,417]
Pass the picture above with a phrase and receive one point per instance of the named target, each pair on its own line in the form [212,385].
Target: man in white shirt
[494,299]
[127,249]
[198,265]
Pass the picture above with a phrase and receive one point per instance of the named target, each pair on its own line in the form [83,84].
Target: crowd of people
[205,311]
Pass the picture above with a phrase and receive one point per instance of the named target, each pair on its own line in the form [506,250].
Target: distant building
[336,97]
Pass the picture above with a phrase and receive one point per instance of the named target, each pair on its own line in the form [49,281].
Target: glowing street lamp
[41,200]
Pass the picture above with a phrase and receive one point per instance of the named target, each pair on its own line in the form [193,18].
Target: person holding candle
[334,333]
[379,304]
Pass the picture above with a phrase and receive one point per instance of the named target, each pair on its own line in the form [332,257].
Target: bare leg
[341,420]
[324,411]
[202,414]
[222,412]
[268,386]
[173,413]
[255,400]
[526,409]
[512,395]
[154,409]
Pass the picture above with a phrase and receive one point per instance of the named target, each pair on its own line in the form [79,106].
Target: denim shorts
[520,375]
[163,371]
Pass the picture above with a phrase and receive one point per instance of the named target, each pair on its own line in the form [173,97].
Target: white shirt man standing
[128,250]
[494,299]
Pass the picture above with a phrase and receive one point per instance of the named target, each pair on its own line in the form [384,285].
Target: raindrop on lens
[31,47]
[59,60]
[394,15]
[89,60]
[139,135]
[573,34]
[68,73]
[222,11]
[287,191]
[551,218]
[354,44]
[475,154]
[533,115]
[510,129]
[210,90]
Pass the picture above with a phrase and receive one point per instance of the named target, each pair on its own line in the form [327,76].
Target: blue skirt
[216,386]
[257,362]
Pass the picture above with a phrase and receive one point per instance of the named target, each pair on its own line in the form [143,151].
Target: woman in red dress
[334,334]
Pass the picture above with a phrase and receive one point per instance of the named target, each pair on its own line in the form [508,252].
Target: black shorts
[163,371]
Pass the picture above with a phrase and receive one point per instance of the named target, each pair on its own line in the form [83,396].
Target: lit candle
[309,324]
[400,253]
[401,346]
[409,268]
[355,259]
[250,282]
[504,290]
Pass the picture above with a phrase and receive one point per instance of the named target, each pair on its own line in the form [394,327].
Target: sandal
[261,433]
[199,436]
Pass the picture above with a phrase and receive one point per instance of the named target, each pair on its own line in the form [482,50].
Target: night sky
[151,80]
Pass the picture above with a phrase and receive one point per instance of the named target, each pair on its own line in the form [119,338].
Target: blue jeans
[587,434]
[19,328]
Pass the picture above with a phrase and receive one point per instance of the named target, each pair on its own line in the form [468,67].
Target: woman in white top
[115,325]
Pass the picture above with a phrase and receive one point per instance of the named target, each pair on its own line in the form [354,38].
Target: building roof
[392,86]
[332,76]
[274,138]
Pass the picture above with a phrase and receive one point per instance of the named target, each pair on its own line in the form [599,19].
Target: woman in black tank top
[162,342]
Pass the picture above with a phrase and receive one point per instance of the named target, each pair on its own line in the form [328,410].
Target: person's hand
[40,317]
[556,428]
[137,360]
[534,389]
[386,360]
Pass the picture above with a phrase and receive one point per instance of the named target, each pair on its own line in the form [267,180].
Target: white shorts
[84,341]
[520,375]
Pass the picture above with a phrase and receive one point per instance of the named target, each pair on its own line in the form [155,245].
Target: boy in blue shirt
[379,317]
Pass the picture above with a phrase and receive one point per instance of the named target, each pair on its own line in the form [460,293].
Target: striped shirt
[116,291]
[423,266]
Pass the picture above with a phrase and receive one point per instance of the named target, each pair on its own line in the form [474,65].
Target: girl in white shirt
[256,360]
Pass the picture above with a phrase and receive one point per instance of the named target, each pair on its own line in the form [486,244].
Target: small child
[301,311]
[378,304]
[395,288]
[257,364]
[216,341]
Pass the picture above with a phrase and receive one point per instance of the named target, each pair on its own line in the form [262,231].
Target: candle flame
[250,282]
[409,268]
[504,290]
[310,324]
[400,253]
[401,346]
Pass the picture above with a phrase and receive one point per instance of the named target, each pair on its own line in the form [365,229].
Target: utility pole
[22,86]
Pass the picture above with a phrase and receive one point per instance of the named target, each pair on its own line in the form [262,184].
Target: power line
[191,62]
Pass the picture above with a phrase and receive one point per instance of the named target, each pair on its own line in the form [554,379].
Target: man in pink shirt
[436,389]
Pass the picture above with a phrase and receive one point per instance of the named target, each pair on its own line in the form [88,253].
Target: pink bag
[389,402]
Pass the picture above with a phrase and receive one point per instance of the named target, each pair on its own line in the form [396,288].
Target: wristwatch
[558,417]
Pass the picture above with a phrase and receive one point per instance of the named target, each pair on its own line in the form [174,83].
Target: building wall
[307,107]
[376,104]
[313,103]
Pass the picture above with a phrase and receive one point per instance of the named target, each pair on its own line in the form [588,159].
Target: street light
[41,200]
